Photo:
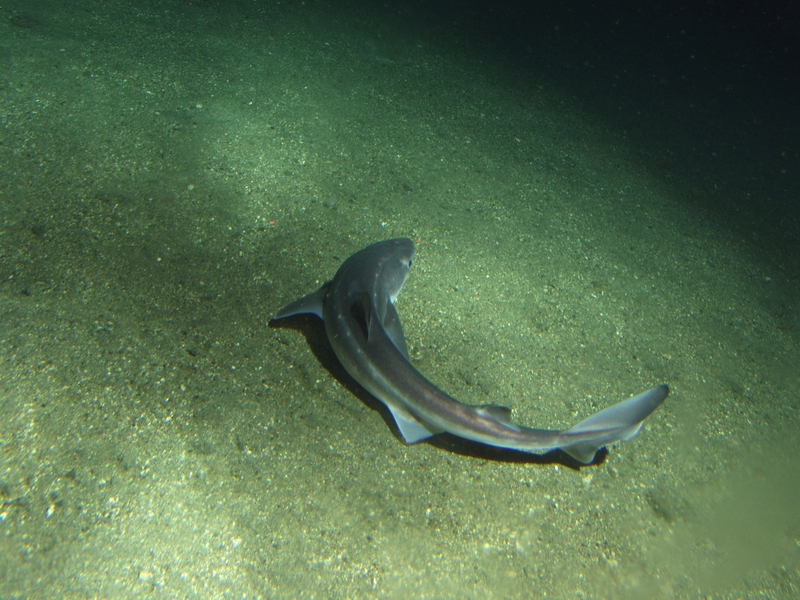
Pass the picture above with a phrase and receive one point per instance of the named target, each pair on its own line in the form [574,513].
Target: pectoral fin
[311,304]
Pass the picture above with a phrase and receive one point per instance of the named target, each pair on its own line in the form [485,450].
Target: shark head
[375,276]
[396,263]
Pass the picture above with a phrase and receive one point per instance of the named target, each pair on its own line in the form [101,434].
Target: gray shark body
[364,329]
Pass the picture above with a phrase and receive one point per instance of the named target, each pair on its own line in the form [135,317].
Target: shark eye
[410,262]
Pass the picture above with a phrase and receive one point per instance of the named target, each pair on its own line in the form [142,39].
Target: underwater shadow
[313,330]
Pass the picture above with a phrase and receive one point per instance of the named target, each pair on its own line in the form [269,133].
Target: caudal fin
[618,422]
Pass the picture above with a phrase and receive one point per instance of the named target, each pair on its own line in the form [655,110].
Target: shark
[358,310]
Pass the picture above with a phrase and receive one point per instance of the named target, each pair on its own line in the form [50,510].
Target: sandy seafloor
[173,173]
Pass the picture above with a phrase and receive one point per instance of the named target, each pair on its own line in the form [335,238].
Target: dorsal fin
[361,311]
[391,323]
[501,414]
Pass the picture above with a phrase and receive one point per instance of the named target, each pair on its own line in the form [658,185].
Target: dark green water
[603,200]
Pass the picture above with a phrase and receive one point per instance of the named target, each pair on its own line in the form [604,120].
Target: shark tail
[619,422]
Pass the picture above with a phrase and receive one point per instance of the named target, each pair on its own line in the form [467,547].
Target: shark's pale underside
[364,329]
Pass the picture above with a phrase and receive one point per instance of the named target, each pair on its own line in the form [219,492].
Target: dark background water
[708,91]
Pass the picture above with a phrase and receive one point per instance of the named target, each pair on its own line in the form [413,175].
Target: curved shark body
[364,329]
